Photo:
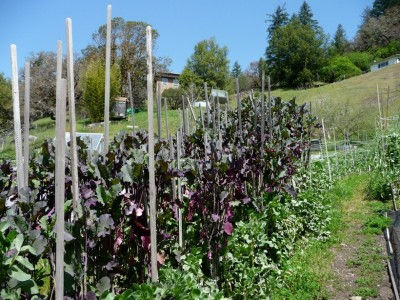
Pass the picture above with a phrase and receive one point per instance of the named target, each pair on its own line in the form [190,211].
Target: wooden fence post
[131,100]
[270,107]
[17,121]
[107,84]
[72,122]
[27,99]
[61,94]
[152,181]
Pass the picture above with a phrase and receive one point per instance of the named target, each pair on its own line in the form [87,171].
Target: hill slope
[351,104]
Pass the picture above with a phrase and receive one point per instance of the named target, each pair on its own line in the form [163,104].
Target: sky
[35,25]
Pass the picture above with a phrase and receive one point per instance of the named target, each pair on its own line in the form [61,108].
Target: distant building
[395,59]
[167,80]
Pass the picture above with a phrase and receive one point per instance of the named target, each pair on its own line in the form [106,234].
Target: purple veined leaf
[111,265]
[11,252]
[214,217]
[51,212]
[246,200]
[145,242]
[228,228]
[139,212]
[86,192]
[209,254]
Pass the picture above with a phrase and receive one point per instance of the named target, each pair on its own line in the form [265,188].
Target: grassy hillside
[352,103]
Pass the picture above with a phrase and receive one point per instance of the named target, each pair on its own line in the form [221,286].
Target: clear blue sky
[35,25]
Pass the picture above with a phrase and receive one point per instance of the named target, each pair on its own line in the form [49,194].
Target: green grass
[354,221]
[304,278]
[45,129]
[352,103]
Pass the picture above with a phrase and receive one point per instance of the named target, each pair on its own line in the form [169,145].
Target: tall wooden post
[158,104]
[26,120]
[107,84]
[152,181]
[61,93]
[326,152]
[72,121]
[239,109]
[17,121]
[166,116]
[270,108]
[131,100]
[180,197]
[207,103]
[262,113]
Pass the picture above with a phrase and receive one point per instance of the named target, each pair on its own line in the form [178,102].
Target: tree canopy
[209,63]
[236,70]
[340,42]
[278,19]
[5,102]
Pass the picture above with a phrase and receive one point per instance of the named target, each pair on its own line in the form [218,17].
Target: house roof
[167,75]
[385,59]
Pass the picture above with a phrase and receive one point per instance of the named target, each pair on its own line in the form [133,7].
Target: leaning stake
[107,83]
[61,94]
[152,182]
[17,120]
[131,100]
[72,122]
[26,120]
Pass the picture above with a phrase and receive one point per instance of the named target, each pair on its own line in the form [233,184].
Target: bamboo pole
[17,121]
[131,100]
[72,121]
[27,99]
[326,151]
[152,182]
[61,94]
[107,83]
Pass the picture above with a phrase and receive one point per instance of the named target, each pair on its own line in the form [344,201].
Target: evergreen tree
[236,70]
[339,40]
[380,6]
[306,16]
[279,18]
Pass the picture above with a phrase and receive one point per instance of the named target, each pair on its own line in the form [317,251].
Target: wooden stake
[166,116]
[191,110]
[72,122]
[17,121]
[262,114]
[326,151]
[207,104]
[152,181]
[180,197]
[158,104]
[131,100]
[239,109]
[61,94]
[270,107]
[107,84]
[27,99]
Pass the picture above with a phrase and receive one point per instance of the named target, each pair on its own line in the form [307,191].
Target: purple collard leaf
[246,200]
[145,242]
[228,228]
[139,212]
[214,217]
[111,265]
[86,192]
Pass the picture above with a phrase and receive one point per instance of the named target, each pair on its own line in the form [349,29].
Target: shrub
[339,68]
[93,88]
[362,60]
[174,97]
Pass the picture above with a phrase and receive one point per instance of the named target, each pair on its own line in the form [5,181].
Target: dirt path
[359,260]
